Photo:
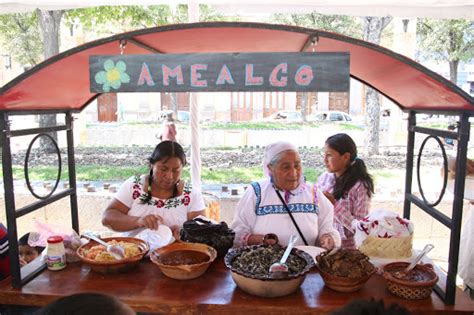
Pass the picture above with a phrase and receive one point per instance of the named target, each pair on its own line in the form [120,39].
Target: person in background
[26,252]
[169,128]
[4,258]
[347,184]
[86,304]
[161,197]
[449,142]
[283,204]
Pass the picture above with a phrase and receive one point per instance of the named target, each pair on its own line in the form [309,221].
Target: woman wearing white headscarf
[283,204]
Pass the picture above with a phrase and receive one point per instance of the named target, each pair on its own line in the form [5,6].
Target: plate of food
[96,256]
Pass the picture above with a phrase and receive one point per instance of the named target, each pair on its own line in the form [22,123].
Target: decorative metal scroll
[27,177]
[445,171]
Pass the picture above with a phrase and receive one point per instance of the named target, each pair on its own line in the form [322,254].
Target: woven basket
[394,247]
[407,289]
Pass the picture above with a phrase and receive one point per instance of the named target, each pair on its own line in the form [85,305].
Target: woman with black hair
[160,197]
[347,184]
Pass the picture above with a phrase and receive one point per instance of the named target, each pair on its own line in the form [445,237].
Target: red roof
[62,82]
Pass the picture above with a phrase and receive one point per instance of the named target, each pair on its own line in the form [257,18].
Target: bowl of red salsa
[415,284]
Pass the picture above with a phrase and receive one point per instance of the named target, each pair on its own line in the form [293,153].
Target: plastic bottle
[56,254]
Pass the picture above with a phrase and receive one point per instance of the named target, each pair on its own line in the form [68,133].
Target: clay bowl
[345,284]
[184,261]
[266,286]
[114,266]
[415,289]
[342,283]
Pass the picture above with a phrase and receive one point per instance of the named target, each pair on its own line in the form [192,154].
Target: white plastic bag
[381,223]
[156,238]
[71,239]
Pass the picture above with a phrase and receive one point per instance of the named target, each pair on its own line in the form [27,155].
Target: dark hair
[371,307]
[23,241]
[164,151]
[86,304]
[357,171]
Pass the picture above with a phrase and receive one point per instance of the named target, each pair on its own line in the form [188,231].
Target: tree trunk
[304,105]
[453,71]
[50,22]
[373,27]
[372,119]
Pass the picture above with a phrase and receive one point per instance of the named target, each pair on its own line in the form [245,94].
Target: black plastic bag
[218,236]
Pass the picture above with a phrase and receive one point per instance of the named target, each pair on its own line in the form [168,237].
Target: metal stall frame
[448,294]
[413,87]
[19,278]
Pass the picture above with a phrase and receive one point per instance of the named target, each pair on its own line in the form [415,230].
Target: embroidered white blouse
[174,211]
[260,211]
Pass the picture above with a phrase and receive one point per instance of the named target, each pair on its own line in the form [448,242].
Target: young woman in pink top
[347,184]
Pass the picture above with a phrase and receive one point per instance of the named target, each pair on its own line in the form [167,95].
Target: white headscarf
[272,150]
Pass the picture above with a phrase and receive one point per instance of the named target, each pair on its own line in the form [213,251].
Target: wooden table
[146,289]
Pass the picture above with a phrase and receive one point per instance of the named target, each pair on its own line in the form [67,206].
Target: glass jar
[56,254]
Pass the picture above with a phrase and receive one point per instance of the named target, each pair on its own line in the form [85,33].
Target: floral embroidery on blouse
[184,199]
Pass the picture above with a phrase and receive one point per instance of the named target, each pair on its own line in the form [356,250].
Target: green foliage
[341,24]
[350,126]
[87,173]
[312,174]
[446,40]
[207,14]
[20,35]
[254,125]
[125,18]
[235,175]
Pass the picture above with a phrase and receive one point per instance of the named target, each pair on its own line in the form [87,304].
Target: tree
[346,25]
[20,36]
[449,41]
[341,24]
[50,22]
[373,27]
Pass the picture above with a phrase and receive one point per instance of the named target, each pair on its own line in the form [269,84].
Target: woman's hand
[330,197]
[326,241]
[175,229]
[150,221]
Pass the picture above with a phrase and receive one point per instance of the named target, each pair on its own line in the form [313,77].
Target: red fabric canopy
[62,82]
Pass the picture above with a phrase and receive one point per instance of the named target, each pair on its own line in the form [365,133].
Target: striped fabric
[4,259]
[355,205]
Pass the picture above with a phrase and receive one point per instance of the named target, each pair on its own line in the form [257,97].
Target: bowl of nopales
[250,266]
[98,259]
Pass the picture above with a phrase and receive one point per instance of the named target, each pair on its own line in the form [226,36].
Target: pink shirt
[355,205]
[169,132]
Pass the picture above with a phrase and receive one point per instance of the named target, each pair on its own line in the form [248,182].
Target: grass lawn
[235,175]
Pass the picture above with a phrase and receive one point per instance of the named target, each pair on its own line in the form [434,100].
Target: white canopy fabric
[440,9]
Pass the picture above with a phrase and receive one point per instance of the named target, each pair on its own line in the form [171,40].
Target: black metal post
[409,163]
[72,171]
[10,201]
[459,182]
